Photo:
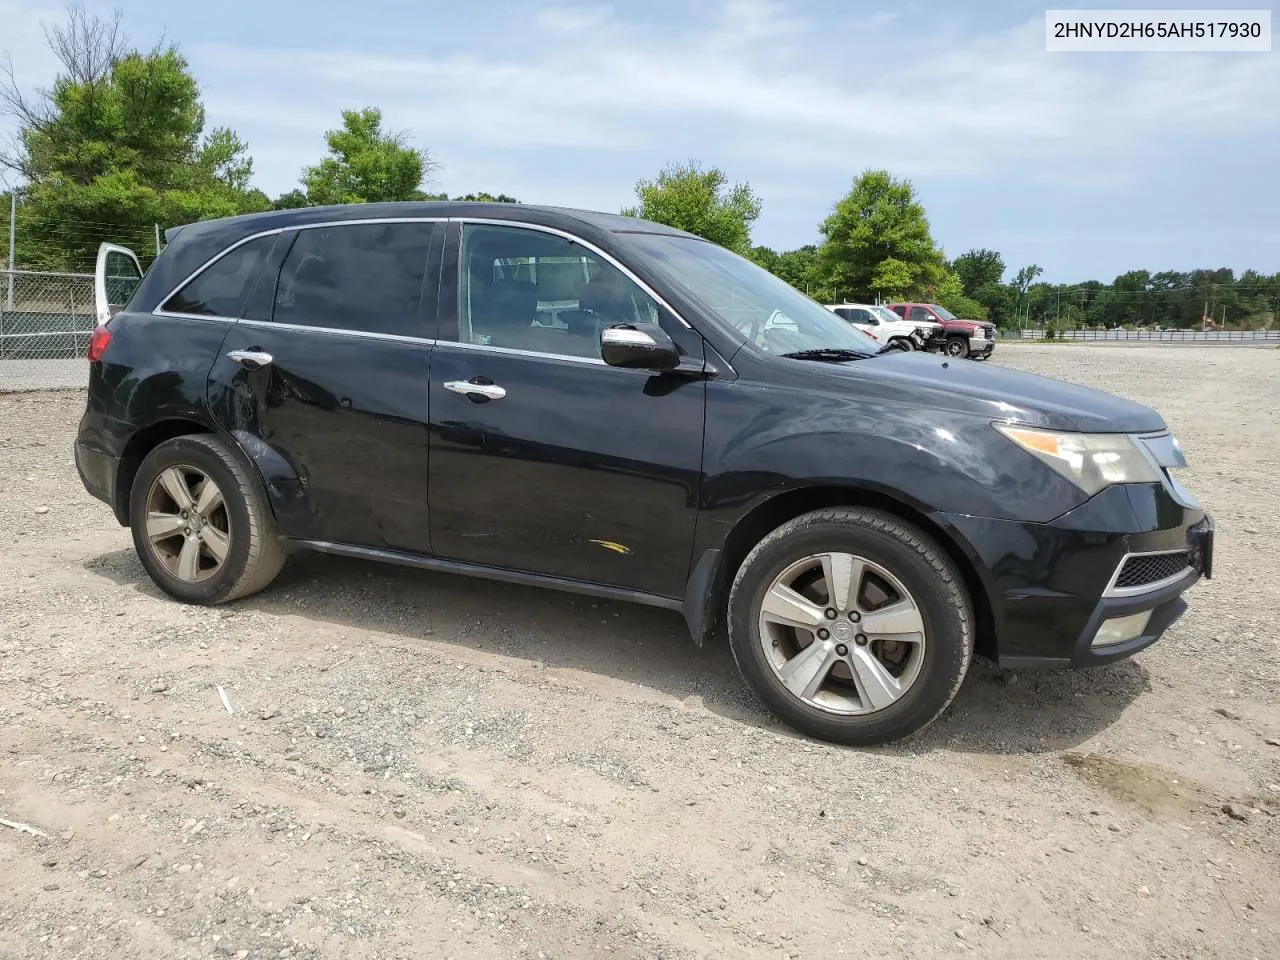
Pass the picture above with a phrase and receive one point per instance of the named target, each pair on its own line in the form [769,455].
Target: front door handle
[250,359]
[473,390]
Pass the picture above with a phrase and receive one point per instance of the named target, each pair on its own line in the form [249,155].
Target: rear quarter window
[221,288]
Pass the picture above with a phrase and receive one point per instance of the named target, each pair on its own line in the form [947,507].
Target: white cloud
[581,99]
[617,85]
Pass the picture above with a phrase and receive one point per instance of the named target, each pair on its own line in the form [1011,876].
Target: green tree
[289,201]
[949,292]
[700,201]
[486,198]
[978,269]
[116,146]
[367,164]
[1020,284]
[877,240]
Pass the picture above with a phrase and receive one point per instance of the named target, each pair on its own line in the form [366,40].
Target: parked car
[687,431]
[975,339]
[889,328]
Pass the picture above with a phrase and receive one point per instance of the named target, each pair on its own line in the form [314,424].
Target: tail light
[98,343]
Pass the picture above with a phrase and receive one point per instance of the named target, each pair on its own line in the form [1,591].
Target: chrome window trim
[488,348]
[275,231]
[1113,591]
[556,231]
[210,317]
[339,331]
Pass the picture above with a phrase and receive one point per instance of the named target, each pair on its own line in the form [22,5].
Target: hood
[986,390]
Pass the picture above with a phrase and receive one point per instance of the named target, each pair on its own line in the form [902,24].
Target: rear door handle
[473,390]
[250,359]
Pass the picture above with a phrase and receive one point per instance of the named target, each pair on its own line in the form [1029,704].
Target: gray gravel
[432,766]
[21,375]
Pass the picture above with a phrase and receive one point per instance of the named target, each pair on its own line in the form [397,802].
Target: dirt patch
[426,765]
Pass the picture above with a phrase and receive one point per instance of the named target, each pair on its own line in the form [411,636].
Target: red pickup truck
[962,338]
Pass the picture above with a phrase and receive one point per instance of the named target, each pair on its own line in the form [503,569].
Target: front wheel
[958,347]
[899,343]
[852,625]
[201,522]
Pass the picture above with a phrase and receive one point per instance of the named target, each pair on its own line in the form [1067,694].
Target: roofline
[547,215]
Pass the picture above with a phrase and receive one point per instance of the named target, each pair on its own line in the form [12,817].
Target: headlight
[1092,461]
[978,334]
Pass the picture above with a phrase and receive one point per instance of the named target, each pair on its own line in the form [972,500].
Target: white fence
[1163,336]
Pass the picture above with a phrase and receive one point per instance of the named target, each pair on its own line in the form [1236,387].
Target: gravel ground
[19,375]
[426,765]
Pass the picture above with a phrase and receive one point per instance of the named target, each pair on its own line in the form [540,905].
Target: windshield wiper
[828,355]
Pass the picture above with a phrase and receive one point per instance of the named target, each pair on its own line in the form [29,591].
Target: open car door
[115,277]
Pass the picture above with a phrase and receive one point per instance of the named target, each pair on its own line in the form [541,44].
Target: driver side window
[921,315]
[538,292]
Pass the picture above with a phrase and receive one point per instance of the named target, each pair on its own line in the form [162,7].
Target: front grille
[1140,571]
[991,330]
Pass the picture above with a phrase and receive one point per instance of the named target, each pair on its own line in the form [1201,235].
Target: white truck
[889,328]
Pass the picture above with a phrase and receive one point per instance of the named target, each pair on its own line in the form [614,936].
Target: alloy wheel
[842,633]
[187,523]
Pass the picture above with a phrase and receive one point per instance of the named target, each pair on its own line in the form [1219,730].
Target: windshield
[885,314]
[943,312]
[773,316]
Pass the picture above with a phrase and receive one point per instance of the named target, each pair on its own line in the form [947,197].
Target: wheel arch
[713,574]
[135,451]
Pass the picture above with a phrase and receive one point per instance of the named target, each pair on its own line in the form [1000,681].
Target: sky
[1088,164]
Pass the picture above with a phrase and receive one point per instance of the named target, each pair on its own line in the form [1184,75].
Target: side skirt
[424,562]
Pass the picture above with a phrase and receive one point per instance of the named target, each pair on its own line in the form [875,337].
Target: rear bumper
[97,471]
[1051,585]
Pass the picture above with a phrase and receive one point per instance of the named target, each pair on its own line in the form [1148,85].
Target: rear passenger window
[220,290]
[365,277]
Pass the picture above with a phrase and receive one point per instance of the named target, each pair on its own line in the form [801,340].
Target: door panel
[116,275]
[348,413]
[579,470]
[335,400]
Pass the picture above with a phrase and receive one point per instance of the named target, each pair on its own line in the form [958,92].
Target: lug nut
[860,639]
[842,650]
[831,614]
[855,616]
[823,634]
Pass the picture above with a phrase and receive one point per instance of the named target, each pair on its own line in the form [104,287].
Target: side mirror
[638,346]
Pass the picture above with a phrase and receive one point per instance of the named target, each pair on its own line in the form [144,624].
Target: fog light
[1121,629]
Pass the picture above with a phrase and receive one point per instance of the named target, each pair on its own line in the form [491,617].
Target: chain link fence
[46,320]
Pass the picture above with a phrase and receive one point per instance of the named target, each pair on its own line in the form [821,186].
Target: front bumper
[981,347]
[1051,585]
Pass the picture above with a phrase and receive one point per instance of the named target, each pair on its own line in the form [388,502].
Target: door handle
[250,359]
[472,390]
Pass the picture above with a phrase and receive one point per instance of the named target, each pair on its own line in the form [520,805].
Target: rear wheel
[201,523]
[852,625]
[957,347]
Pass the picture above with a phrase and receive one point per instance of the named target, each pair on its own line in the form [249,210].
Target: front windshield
[944,313]
[773,316]
[885,314]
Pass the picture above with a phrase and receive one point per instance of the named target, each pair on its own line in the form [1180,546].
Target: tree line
[119,145]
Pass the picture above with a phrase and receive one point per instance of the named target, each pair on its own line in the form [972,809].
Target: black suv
[608,406]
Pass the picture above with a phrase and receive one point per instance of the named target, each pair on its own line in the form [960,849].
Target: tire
[957,347]
[899,343]
[935,666]
[245,528]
